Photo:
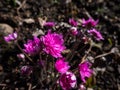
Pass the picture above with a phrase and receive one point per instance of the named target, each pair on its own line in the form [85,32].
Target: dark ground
[107,11]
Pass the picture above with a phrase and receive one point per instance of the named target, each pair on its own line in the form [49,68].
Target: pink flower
[53,44]
[11,37]
[26,70]
[84,70]
[90,22]
[62,66]
[49,24]
[96,34]
[85,40]
[74,31]
[82,87]
[67,81]
[21,56]
[73,22]
[33,46]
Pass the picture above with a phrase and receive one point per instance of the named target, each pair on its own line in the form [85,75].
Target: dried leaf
[38,32]
[42,21]
[29,21]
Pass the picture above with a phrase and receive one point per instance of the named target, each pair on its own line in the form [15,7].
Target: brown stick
[3,85]
[84,57]
[30,86]
[102,55]
[24,52]
[23,3]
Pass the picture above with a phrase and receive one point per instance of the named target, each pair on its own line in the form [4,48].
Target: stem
[21,5]
[87,13]
[73,49]
[24,52]
[102,55]
[3,85]
[30,86]
[84,57]
[16,88]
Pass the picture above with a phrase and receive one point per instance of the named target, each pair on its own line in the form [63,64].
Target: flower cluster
[67,81]
[26,70]
[32,47]
[74,24]
[49,24]
[90,22]
[74,31]
[85,71]
[96,34]
[61,65]
[53,44]
[11,37]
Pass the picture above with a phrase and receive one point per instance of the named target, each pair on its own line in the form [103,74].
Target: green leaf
[89,82]
[110,41]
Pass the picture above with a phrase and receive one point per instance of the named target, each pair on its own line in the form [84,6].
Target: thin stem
[24,52]
[102,55]
[87,13]
[16,88]
[21,5]
[30,86]
[3,85]
[84,57]
[72,53]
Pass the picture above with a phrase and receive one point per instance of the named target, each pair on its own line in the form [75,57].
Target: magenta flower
[49,24]
[74,31]
[11,37]
[26,70]
[33,47]
[96,34]
[62,66]
[85,71]
[90,22]
[67,81]
[53,44]
[73,22]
